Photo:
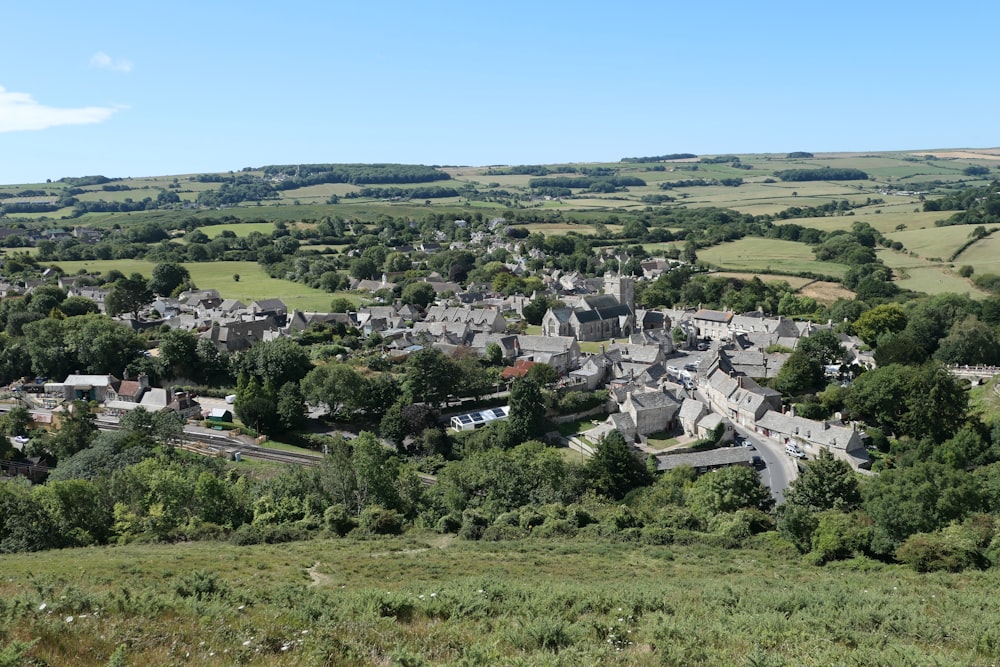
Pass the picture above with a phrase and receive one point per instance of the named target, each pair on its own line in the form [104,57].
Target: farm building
[474,420]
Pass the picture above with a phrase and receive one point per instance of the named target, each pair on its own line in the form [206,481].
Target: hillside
[433,600]
[885,190]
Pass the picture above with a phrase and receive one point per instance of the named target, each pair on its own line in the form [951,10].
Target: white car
[673,370]
[22,439]
[793,450]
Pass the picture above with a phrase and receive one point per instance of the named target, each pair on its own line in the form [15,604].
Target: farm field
[891,217]
[254,283]
[795,282]
[983,255]
[241,229]
[581,228]
[826,292]
[435,599]
[934,242]
[919,274]
[767,255]
[935,280]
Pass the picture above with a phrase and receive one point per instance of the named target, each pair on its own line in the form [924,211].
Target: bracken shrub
[952,549]
[269,534]
[378,520]
[337,520]
[474,525]
[448,524]
[839,535]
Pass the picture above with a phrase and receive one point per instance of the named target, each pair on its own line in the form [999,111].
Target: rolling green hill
[437,600]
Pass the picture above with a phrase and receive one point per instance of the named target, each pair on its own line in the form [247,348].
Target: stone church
[598,317]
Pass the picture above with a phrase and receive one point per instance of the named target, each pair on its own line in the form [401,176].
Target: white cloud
[19,112]
[101,60]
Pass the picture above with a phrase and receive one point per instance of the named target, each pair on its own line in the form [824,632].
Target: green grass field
[934,242]
[983,255]
[795,282]
[241,229]
[767,255]
[430,599]
[254,283]
[885,222]
[919,274]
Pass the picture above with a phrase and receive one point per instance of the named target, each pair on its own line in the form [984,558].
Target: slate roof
[713,315]
[692,410]
[650,400]
[711,458]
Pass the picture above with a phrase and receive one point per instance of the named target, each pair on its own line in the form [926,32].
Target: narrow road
[779,469]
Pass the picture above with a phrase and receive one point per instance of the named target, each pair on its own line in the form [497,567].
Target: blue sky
[139,89]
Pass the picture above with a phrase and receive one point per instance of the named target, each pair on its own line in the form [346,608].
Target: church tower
[622,288]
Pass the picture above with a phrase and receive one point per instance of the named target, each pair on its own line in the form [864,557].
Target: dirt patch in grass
[826,292]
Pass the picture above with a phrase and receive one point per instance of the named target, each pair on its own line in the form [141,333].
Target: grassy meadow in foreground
[433,599]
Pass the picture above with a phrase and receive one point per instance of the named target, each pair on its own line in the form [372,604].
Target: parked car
[673,370]
[793,450]
[22,439]
[757,462]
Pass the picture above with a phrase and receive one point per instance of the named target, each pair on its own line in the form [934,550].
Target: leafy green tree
[79,509]
[727,490]
[213,365]
[924,401]
[825,484]
[375,471]
[429,377]
[46,298]
[98,344]
[418,294]
[336,474]
[363,268]
[801,373]
[50,355]
[527,410]
[16,421]
[336,385]
[128,295]
[614,470]
[163,427]
[887,318]
[291,406]
[167,277]
[215,501]
[824,346]
[275,361]
[543,374]
[78,305]
[917,499]
[254,405]
[24,523]
[494,354]
[931,318]
[379,393]
[342,305]
[178,354]
[76,431]
[392,427]
[970,342]
[535,310]
[968,448]
[899,348]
